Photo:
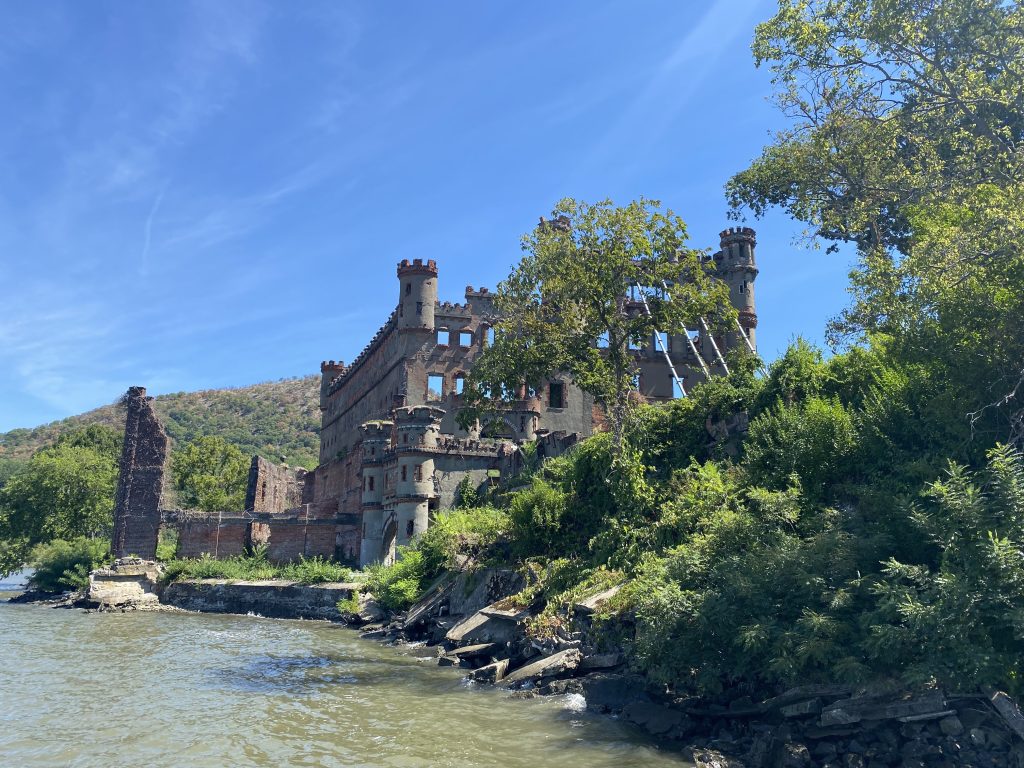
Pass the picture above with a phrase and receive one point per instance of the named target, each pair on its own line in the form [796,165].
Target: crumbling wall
[276,487]
[217,534]
[141,479]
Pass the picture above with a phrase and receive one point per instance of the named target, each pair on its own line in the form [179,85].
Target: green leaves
[907,141]
[65,491]
[564,308]
[210,475]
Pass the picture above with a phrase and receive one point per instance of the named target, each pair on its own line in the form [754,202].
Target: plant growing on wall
[572,305]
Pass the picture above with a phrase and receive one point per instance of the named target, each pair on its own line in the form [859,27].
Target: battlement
[481,293]
[422,414]
[330,366]
[377,339]
[417,267]
[738,234]
[450,308]
[376,430]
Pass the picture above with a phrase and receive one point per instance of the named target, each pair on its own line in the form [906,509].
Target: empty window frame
[409,528]
[442,337]
[661,342]
[556,394]
[465,338]
[405,473]
[418,473]
[460,384]
[435,386]
[490,337]
[419,307]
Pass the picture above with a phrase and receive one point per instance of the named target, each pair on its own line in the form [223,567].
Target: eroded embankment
[469,620]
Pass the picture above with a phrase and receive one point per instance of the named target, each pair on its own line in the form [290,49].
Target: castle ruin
[391,450]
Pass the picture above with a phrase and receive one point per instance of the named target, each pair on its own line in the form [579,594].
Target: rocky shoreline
[468,620]
[466,617]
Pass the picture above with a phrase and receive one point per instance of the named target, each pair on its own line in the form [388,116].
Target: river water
[163,689]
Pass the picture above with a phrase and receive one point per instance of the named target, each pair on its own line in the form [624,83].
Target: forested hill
[277,419]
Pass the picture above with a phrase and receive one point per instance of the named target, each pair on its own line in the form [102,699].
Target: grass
[256,567]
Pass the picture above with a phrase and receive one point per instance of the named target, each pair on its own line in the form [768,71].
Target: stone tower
[140,481]
[417,294]
[417,430]
[376,441]
[739,271]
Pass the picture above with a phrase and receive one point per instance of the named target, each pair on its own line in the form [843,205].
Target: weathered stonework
[140,484]
[391,450]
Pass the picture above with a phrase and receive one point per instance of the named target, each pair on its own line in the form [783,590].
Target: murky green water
[84,689]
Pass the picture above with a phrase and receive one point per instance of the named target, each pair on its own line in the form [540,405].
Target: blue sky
[212,194]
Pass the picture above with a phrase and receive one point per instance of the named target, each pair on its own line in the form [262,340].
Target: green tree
[572,304]
[65,491]
[907,140]
[210,474]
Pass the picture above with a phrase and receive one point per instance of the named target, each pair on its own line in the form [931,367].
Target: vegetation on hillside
[57,482]
[279,420]
[870,522]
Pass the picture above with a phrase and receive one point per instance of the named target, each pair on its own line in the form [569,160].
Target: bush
[397,586]
[962,620]
[469,533]
[815,441]
[62,565]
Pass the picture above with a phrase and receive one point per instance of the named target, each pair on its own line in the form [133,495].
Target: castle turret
[738,268]
[329,371]
[417,430]
[376,440]
[418,294]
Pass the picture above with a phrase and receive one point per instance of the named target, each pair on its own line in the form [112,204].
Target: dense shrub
[469,534]
[62,565]
[256,567]
[398,586]
[961,620]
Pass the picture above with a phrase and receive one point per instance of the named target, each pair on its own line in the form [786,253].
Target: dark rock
[710,758]
[951,726]
[549,666]
[802,708]
[795,755]
[606,692]
[601,661]
[853,760]
[654,718]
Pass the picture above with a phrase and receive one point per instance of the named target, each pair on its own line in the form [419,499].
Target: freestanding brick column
[141,479]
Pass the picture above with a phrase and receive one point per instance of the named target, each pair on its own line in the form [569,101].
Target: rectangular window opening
[460,384]
[419,473]
[660,341]
[490,337]
[602,341]
[556,394]
[419,307]
[435,386]
[442,337]
[465,338]
[405,473]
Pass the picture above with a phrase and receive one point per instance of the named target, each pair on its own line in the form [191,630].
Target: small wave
[574,702]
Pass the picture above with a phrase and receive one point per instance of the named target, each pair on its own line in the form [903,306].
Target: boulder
[591,604]
[1008,710]
[492,673]
[127,583]
[710,758]
[471,651]
[655,718]
[605,692]
[370,610]
[481,628]
[602,661]
[549,666]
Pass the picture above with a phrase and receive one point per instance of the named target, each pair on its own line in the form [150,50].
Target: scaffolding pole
[661,343]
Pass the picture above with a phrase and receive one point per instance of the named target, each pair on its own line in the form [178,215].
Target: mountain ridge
[278,419]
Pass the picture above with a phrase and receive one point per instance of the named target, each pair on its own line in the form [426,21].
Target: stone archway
[499,429]
[389,539]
